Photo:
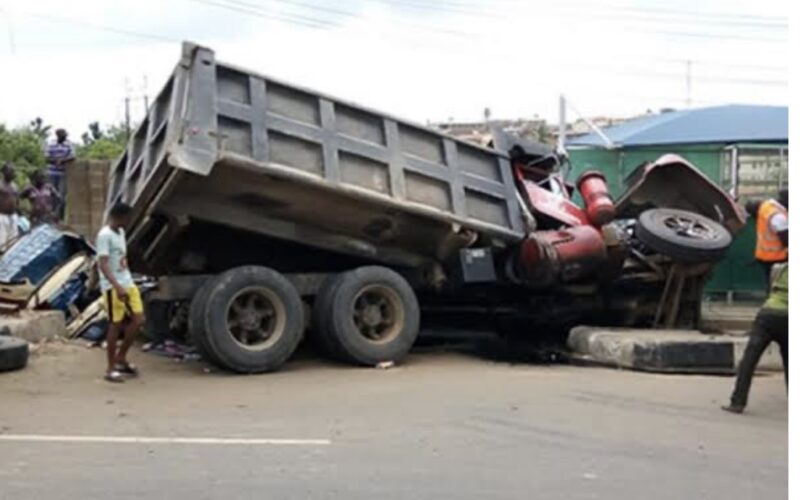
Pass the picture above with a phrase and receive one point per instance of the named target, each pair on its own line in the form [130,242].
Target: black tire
[682,235]
[196,323]
[13,353]
[252,319]
[369,315]
[322,341]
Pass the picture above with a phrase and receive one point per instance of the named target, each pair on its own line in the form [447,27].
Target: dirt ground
[444,424]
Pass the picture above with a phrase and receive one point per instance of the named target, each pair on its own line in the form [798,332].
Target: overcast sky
[426,60]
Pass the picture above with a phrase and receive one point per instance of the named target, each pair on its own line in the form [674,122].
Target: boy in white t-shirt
[121,296]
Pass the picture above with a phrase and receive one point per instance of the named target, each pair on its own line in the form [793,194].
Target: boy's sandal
[114,376]
[127,369]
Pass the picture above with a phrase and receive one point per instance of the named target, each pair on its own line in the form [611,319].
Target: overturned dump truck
[269,209]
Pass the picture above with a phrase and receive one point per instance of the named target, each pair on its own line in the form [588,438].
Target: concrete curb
[34,326]
[664,351]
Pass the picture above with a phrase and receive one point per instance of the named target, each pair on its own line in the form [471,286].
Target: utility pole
[688,83]
[144,91]
[12,42]
[127,110]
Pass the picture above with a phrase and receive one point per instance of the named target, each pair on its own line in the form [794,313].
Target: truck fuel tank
[560,256]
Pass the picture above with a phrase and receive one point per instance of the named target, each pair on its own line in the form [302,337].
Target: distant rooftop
[719,124]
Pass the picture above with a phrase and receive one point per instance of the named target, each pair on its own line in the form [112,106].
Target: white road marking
[163,440]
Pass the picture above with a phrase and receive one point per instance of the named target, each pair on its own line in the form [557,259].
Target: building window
[762,172]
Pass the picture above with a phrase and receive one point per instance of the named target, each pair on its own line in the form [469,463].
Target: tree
[38,127]
[543,133]
[99,144]
[23,146]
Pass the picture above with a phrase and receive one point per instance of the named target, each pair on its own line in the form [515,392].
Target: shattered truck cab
[258,203]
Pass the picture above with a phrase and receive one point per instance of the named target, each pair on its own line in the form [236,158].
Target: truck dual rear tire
[682,235]
[366,316]
[247,320]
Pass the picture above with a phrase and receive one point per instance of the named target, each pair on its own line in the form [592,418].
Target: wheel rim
[378,313]
[689,227]
[256,318]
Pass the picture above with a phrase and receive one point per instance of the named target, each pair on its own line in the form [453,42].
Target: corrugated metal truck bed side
[218,135]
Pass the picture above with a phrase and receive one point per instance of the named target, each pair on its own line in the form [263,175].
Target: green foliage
[22,146]
[38,127]
[99,144]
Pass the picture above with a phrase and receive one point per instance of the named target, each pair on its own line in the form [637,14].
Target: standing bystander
[45,200]
[772,216]
[771,325]
[59,154]
[8,205]
[121,296]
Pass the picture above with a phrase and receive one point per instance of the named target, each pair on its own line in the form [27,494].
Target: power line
[775,20]
[353,15]
[712,16]
[317,25]
[677,20]
[721,64]
[627,70]
[247,8]
[100,27]
[442,7]
[653,15]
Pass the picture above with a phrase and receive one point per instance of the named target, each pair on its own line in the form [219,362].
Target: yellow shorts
[117,309]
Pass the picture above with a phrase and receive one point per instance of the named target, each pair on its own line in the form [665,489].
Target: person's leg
[758,342]
[131,329]
[115,317]
[135,310]
[782,338]
[112,336]
[58,180]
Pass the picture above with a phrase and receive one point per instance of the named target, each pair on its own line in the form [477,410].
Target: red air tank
[594,191]
[561,256]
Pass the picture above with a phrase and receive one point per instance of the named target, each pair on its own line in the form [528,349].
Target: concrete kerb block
[35,326]
[664,351]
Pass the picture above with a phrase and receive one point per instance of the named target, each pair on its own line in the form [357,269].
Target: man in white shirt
[121,295]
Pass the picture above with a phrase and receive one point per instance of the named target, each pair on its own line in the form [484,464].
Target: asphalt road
[443,425]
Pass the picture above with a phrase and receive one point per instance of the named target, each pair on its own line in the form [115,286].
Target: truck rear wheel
[320,316]
[367,316]
[682,235]
[251,320]
[196,322]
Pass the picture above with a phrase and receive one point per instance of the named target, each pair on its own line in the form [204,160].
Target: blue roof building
[743,148]
[715,125]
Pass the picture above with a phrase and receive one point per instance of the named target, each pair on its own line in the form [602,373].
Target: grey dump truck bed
[233,148]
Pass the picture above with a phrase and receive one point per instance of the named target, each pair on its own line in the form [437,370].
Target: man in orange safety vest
[772,228]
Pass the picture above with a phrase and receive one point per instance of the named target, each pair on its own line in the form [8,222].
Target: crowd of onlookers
[42,200]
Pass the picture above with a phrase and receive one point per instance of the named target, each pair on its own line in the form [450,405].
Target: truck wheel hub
[377,313]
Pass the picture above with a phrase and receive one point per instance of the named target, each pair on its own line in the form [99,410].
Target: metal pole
[146,99]
[562,124]
[734,171]
[608,142]
[127,110]
[688,83]
[127,118]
